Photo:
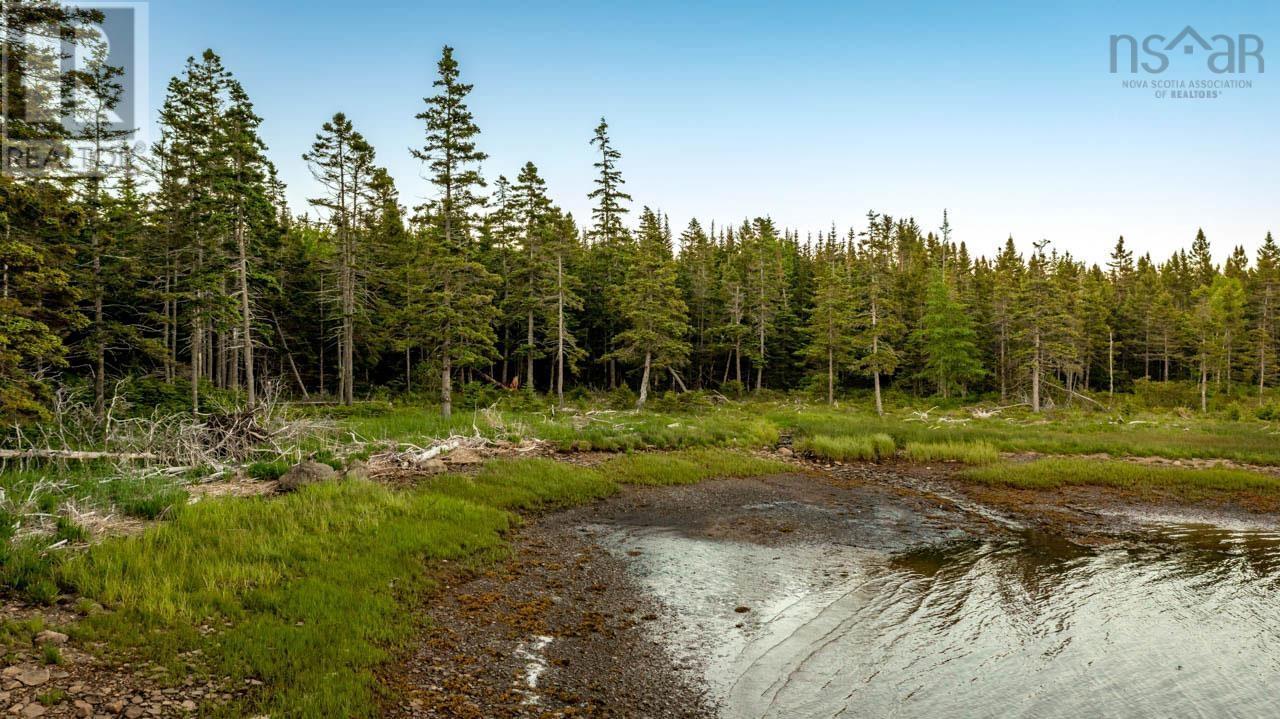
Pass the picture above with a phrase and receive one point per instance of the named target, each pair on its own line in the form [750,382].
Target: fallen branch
[77,456]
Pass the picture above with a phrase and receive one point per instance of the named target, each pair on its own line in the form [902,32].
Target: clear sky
[812,113]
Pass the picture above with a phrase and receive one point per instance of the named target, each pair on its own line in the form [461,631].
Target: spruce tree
[952,359]
[831,320]
[656,317]
[342,162]
[1264,294]
[450,151]
[877,321]
[460,298]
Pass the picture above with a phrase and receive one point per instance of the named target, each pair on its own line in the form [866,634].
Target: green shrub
[51,654]
[622,397]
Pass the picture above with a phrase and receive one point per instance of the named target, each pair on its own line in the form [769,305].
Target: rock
[33,676]
[356,471]
[115,707]
[786,452]
[134,711]
[49,636]
[464,456]
[33,710]
[433,466]
[83,708]
[188,706]
[305,473]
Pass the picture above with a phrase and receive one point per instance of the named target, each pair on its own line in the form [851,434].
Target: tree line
[184,265]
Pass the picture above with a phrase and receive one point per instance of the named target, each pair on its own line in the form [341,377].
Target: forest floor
[226,599]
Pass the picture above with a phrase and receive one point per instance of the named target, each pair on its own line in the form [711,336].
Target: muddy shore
[573,624]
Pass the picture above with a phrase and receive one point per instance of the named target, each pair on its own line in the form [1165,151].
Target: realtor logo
[47,107]
[1220,54]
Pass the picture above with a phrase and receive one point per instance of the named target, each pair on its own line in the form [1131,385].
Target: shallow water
[1184,622]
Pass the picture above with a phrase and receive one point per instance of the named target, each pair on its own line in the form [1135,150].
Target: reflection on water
[1185,623]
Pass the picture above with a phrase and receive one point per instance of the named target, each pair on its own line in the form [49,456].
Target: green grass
[688,467]
[310,586]
[1059,432]
[1055,473]
[871,448]
[608,431]
[964,452]
[27,569]
[525,484]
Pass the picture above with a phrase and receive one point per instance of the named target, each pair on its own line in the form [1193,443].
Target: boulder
[464,456]
[49,636]
[305,473]
[32,676]
[432,466]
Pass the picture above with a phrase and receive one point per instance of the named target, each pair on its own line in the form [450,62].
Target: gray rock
[305,473]
[33,676]
[464,456]
[49,636]
[356,471]
[433,466]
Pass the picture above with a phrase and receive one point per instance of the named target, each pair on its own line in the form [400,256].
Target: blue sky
[1005,114]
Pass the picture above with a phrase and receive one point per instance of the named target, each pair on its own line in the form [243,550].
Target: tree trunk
[1111,363]
[529,350]
[246,318]
[1035,375]
[560,332]
[1004,384]
[348,323]
[1204,384]
[99,338]
[879,400]
[760,369]
[446,382]
[197,354]
[831,375]
[644,381]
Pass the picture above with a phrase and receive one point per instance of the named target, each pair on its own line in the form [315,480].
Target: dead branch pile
[217,438]
[456,452]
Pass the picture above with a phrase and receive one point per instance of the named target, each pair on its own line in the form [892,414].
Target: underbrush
[871,448]
[1055,473]
[964,452]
